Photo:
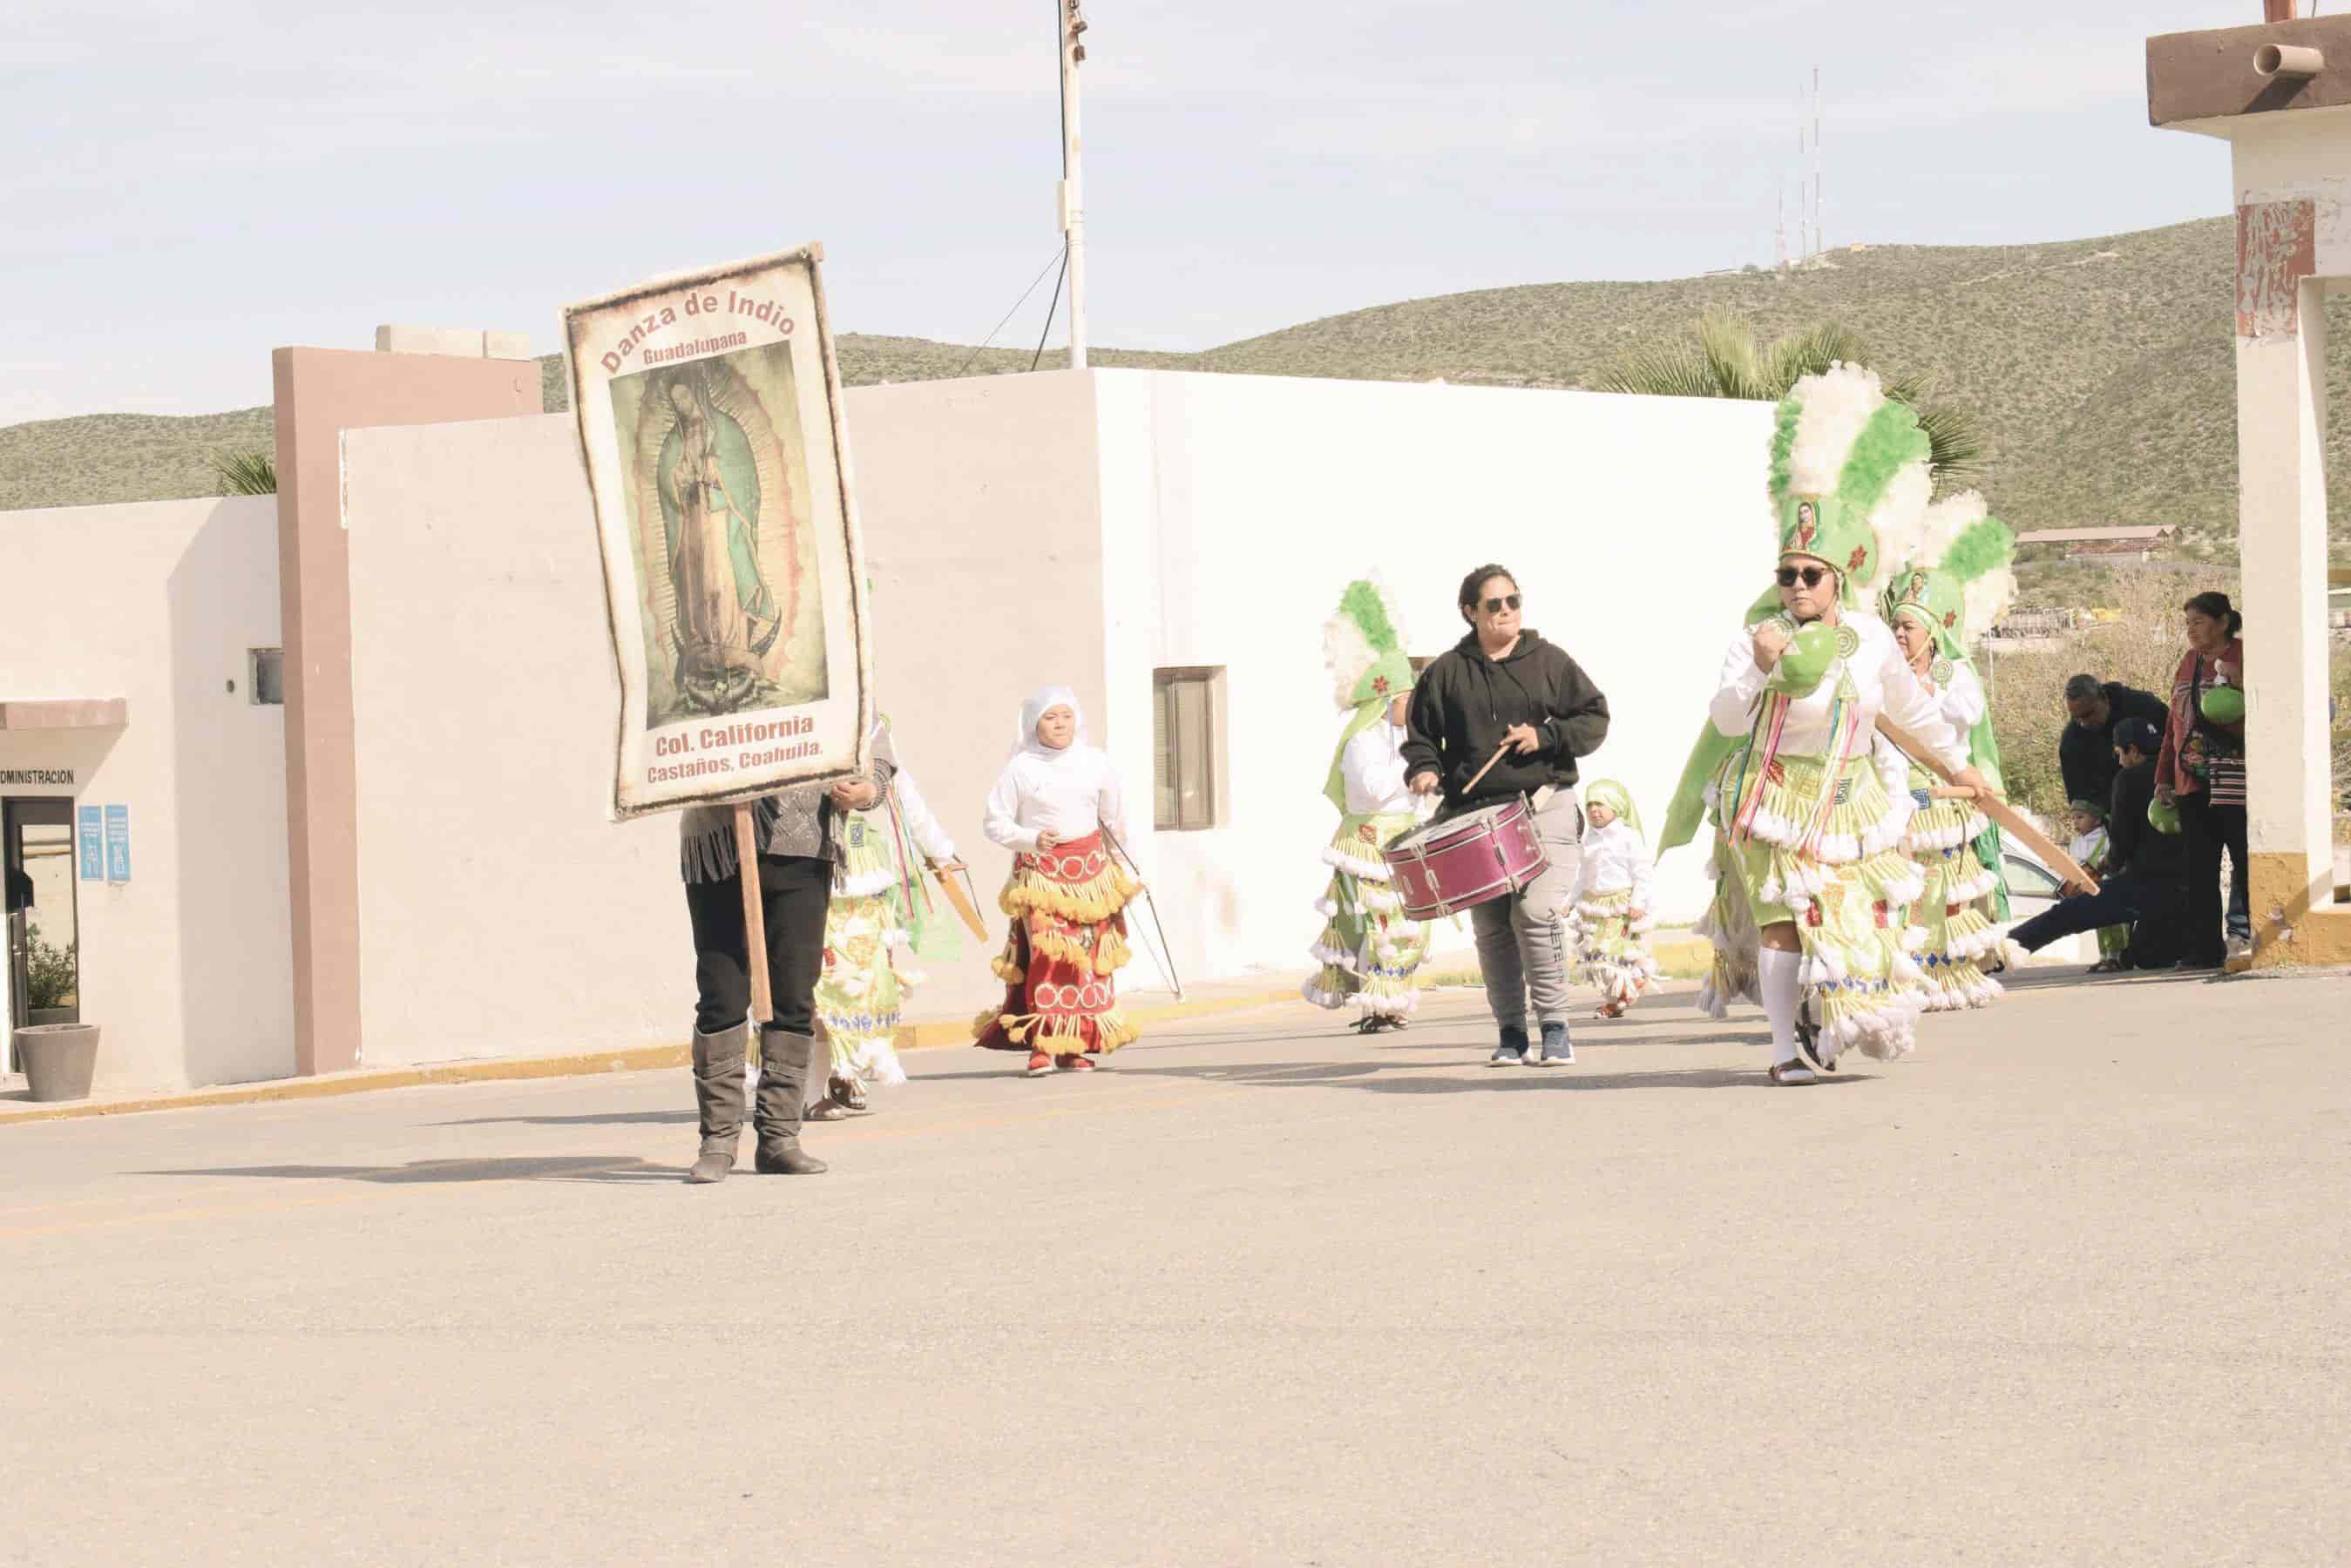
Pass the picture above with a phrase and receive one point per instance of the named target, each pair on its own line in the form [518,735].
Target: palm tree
[247,472]
[1727,360]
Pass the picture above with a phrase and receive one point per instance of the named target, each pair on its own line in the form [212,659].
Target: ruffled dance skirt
[1068,940]
[1368,950]
[1822,849]
[1608,944]
[1955,934]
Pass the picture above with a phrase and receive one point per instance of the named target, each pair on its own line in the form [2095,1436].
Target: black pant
[794,891]
[2205,831]
[2151,910]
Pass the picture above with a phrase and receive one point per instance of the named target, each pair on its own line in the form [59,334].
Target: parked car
[2033,887]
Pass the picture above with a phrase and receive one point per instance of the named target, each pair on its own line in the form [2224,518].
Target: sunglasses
[1496,606]
[1809,576]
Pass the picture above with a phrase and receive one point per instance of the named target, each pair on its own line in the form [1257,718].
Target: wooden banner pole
[755,922]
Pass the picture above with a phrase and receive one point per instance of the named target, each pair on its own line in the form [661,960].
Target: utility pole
[1068,23]
[1820,239]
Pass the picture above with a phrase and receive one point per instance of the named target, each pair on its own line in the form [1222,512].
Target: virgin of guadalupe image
[727,618]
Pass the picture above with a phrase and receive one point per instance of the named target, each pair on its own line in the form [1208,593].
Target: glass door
[36,877]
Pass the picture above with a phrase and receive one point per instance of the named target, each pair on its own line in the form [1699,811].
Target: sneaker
[1512,1051]
[1791,1074]
[1038,1064]
[1558,1049]
[1074,1064]
[2240,950]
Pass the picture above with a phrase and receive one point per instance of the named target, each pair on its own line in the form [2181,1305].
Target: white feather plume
[1347,653]
[1986,600]
[1941,529]
[1900,516]
[1834,406]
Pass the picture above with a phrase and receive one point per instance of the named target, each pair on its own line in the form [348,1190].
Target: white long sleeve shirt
[1882,681]
[1372,767]
[1614,859]
[1068,794]
[922,822]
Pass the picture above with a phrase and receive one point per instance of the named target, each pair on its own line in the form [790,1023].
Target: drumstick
[1487,769]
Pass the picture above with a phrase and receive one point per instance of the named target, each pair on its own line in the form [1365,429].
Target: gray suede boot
[718,1094]
[783,1061]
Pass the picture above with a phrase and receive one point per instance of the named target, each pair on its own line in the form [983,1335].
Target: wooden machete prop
[2010,820]
[966,904]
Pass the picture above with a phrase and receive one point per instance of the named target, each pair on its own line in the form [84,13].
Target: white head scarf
[1034,709]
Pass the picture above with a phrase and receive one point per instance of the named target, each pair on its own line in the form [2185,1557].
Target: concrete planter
[60,1059]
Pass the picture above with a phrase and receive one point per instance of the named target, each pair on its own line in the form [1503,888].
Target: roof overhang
[67,714]
[2205,81]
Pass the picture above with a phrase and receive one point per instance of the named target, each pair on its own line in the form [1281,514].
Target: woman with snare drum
[1503,689]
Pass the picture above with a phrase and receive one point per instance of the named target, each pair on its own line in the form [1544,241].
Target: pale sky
[187,186]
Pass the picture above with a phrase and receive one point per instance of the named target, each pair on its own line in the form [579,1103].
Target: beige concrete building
[2280,94]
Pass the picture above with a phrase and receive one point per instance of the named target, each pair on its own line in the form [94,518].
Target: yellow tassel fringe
[1084,903]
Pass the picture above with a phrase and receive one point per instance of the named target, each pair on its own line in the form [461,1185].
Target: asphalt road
[2067,1286]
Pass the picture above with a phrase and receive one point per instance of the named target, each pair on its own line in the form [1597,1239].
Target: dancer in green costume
[1952,591]
[1368,950]
[1809,809]
[881,919]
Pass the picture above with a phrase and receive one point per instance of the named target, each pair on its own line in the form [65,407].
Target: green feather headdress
[1848,475]
[1363,644]
[1957,583]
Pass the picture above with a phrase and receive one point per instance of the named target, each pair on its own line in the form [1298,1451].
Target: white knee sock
[1779,971]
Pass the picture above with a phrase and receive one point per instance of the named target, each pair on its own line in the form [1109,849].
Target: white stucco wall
[501,913]
[981,505]
[1217,517]
[1238,507]
[187,968]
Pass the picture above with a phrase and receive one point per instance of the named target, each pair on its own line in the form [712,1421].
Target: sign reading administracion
[709,411]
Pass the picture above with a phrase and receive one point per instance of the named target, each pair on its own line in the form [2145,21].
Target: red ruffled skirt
[1067,941]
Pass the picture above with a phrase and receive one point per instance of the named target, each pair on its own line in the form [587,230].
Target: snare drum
[1467,859]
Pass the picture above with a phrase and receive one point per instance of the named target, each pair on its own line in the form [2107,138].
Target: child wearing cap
[2089,849]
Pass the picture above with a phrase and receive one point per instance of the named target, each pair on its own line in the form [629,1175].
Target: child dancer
[1609,911]
[1368,951]
[1066,896]
[2089,847]
[878,921]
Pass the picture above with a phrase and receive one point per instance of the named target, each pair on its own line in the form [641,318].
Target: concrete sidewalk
[2066,1286]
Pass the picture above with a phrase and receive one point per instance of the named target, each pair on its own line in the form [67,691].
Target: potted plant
[49,979]
[60,1056]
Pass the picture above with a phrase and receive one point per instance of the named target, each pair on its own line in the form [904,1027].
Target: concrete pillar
[2288,240]
[2282,541]
[321,393]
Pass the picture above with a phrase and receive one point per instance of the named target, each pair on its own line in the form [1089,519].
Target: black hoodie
[1464,701]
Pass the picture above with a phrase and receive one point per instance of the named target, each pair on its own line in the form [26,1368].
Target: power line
[1059,256]
[1035,358]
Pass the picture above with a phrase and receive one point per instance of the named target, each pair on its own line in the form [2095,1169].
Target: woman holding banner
[800,832]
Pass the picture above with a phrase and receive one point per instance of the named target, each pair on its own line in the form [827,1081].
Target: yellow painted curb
[513,1069]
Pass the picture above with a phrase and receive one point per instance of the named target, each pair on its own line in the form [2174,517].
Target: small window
[1186,735]
[266,672]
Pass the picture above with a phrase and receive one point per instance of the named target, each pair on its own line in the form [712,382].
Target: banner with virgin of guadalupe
[709,413]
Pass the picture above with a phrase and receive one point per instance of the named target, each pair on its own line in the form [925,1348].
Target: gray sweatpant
[1522,939]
